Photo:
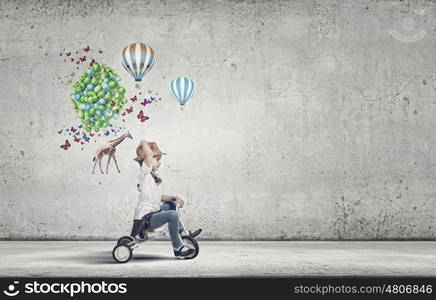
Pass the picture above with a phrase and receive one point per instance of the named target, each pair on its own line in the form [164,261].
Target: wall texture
[311,120]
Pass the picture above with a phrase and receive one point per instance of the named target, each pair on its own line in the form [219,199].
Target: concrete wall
[311,120]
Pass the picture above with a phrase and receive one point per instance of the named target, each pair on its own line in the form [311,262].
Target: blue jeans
[168,214]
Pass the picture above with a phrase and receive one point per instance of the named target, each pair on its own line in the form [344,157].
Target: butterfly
[60,131]
[66,145]
[123,114]
[78,133]
[73,129]
[152,98]
[60,54]
[150,91]
[78,62]
[107,133]
[68,54]
[99,51]
[81,143]
[92,63]
[80,126]
[91,134]
[76,139]
[145,102]
[72,59]
[86,138]
[86,49]
[82,59]
[129,110]
[142,117]
[134,99]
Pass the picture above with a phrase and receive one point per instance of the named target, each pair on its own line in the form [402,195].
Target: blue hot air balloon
[137,59]
[182,88]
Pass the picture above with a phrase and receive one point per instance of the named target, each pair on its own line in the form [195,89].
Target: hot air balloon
[137,59]
[182,88]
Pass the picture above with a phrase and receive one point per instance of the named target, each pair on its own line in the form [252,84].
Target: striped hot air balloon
[137,59]
[182,88]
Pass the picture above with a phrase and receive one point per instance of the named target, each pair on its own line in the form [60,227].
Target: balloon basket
[182,107]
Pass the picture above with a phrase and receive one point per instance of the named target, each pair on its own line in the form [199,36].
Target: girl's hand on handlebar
[180,201]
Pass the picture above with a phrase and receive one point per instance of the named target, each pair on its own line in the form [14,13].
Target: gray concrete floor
[222,259]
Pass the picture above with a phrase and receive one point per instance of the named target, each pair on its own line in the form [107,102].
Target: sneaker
[195,233]
[190,233]
[183,252]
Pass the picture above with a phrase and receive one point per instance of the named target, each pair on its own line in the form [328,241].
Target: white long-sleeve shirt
[150,194]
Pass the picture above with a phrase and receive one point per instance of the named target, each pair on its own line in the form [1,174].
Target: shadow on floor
[105,257]
[151,257]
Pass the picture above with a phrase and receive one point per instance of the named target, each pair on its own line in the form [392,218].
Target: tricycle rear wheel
[122,253]
[124,240]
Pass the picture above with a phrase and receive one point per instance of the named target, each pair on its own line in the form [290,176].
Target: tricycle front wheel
[190,242]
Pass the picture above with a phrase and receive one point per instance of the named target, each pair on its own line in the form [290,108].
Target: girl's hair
[156,178]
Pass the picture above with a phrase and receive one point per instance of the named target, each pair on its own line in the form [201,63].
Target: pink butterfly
[142,117]
[66,145]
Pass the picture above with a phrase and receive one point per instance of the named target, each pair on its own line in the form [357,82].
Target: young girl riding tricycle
[147,218]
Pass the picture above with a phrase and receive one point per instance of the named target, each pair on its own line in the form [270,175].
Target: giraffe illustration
[109,149]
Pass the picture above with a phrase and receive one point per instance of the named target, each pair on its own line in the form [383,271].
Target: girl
[147,217]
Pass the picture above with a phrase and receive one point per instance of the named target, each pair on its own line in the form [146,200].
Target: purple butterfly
[107,133]
[145,102]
